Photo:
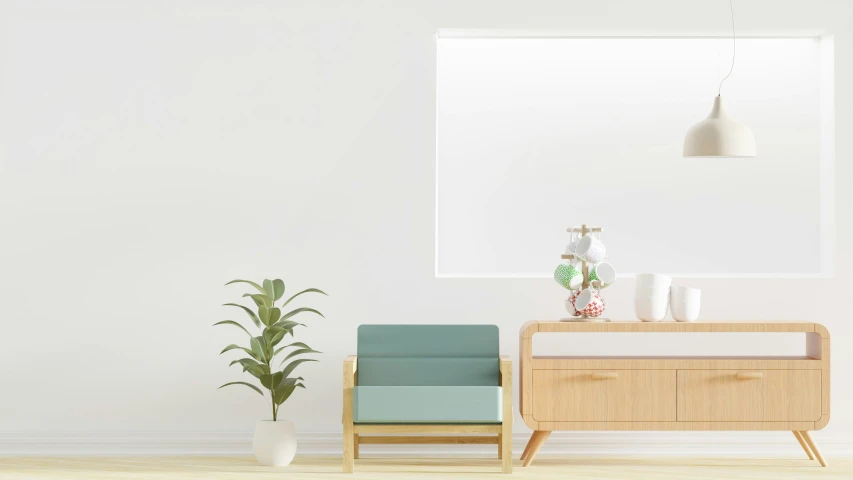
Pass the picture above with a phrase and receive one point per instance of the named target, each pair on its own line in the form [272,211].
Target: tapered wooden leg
[540,440]
[355,445]
[803,444]
[808,438]
[530,443]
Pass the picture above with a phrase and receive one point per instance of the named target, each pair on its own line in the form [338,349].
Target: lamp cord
[734,51]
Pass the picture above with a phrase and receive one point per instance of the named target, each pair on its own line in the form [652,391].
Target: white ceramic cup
[590,250]
[652,308]
[573,242]
[684,303]
[605,272]
[651,292]
[584,299]
[569,307]
[568,276]
[651,297]
[588,301]
[653,280]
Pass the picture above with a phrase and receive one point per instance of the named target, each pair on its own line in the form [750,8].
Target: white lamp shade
[719,135]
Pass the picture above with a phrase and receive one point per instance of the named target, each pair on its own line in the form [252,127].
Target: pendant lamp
[720,135]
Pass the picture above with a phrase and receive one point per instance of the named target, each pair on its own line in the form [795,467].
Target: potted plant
[274,442]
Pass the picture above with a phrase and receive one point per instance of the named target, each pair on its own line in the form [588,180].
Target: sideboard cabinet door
[604,395]
[749,395]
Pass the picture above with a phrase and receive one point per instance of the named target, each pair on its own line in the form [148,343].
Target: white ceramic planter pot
[274,443]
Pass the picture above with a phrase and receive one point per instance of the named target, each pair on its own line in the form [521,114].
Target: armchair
[444,381]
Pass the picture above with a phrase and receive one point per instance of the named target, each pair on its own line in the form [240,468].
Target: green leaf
[301,351]
[275,314]
[249,282]
[273,335]
[251,353]
[253,367]
[248,312]
[232,322]
[307,290]
[268,287]
[231,347]
[292,365]
[258,348]
[257,370]
[278,288]
[295,381]
[294,344]
[300,310]
[288,325]
[277,338]
[244,362]
[264,314]
[246,384]
[271,381]
[260,300]
[282,393]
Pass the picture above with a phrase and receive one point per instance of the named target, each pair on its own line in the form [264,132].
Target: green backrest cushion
[437,355]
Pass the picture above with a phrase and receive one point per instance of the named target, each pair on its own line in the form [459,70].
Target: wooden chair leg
[350,443]
[506,448]
[505,437]
[349,449]
[355,445]
[808,438]
[803,444]
[540,440]
[530,443]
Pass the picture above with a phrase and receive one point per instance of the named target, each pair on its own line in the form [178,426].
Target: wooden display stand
[675,393]
[585,272]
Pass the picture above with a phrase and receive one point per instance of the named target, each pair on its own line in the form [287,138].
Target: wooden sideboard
[675,392]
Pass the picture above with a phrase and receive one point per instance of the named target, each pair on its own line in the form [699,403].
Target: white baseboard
[616,444]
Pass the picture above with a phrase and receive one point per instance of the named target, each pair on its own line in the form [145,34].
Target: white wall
[153,151]
[590,130]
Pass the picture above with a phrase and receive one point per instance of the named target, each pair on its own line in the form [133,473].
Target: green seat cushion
[423,404]
[428,355]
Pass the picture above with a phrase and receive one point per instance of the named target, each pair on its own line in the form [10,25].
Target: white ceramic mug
[649,310]
[604,273]
[651,303]
[653,280]
[568,276]
[570,307]
[573,242]
[590,250]
[589,302]
[684,303]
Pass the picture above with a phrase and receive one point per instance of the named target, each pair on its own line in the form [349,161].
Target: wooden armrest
[350,369]
[506,362]
[505,367]
[351,363]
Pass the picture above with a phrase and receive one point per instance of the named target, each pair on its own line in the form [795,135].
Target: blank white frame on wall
[538,133]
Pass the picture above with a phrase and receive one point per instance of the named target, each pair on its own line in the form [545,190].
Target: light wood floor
[551,468]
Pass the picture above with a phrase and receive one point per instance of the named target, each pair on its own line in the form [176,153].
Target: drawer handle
[605,375]
[749,375]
